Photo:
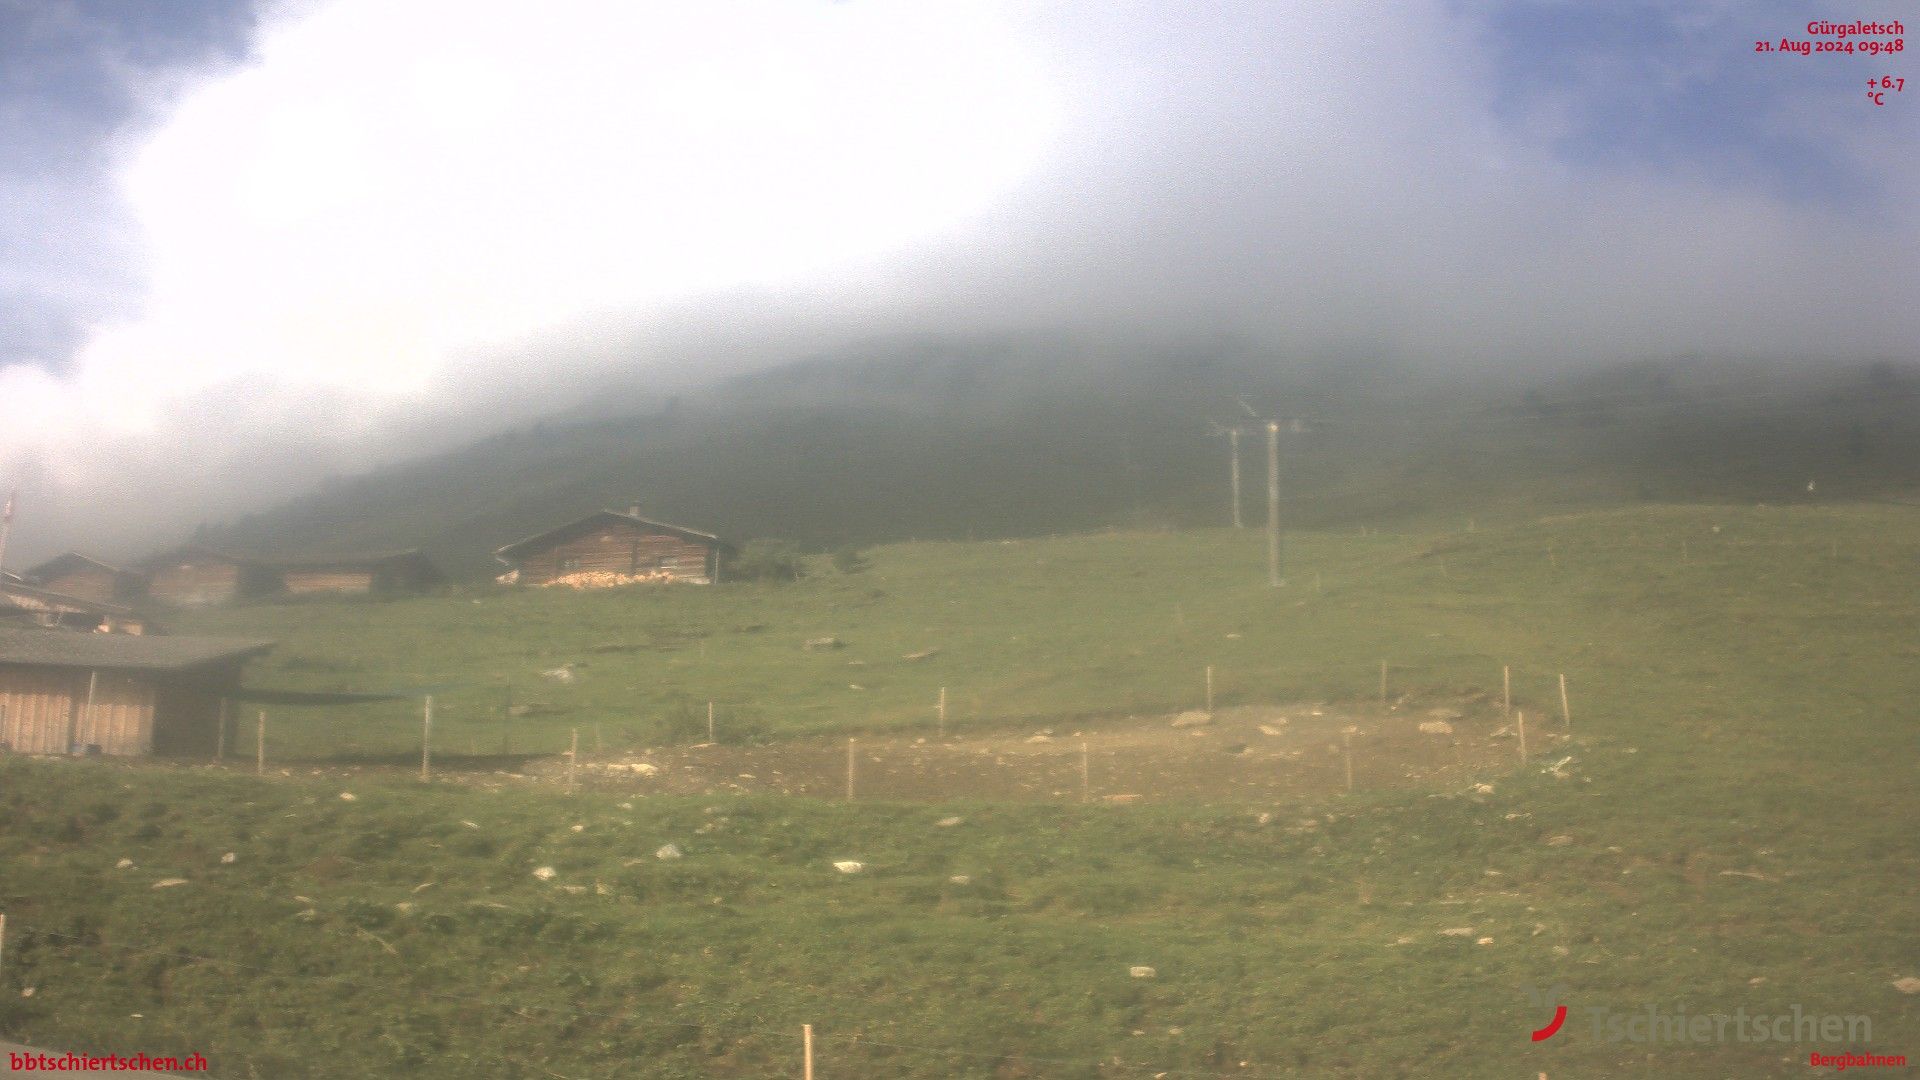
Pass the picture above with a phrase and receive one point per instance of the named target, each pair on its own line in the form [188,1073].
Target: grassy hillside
[1734,830]
[960,440]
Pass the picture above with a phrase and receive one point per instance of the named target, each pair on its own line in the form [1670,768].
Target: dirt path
[1244,753]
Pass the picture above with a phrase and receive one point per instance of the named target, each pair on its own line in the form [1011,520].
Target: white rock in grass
[229,859]
[168,883]
[545,873]
[1141,971]
[123,864]
[960,879]
[668,851]
[849,866]
[949,822]
[346,796]
[1458,931]
[1484,941]
[1908,985]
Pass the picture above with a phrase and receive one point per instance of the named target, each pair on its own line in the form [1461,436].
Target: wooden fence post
[806,1051]
[710,737]
[73,740]
[1566,713]
[849,770]
[1521,719]
[1209,689]
[260,745]
[426,739]
[941,723]
[506,720]
[1506,691]
[1383,684]
[1346,739]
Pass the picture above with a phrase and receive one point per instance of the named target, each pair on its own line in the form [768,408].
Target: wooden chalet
[67,693]
[85,577]
[199,577]
[610,547]
[22,604]
[376,573]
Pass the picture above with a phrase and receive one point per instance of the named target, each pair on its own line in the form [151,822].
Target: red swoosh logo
[1559,1017]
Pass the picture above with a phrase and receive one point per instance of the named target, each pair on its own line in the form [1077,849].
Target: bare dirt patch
[1241,753]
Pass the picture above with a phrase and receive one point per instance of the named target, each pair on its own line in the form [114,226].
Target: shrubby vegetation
[766,560]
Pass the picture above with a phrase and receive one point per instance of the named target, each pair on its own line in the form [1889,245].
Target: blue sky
[1677,87]
[77,77]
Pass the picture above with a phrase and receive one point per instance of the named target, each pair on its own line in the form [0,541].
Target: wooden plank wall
[307,582]
[196,583]
[41,708]
[121,720]
[620,550]
[36,708]
[87,583]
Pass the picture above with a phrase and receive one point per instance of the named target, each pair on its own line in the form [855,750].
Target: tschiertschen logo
[1658,1024]
[1552,997]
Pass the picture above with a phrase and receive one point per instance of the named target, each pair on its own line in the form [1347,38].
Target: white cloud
[418,206]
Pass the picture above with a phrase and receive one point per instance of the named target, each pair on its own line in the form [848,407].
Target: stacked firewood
[607,579]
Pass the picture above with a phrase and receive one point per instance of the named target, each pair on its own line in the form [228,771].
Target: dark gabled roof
[62,561]
[48,597]
[596,520]
[128,652]
[350,559]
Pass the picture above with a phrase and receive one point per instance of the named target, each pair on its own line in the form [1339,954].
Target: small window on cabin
[569,565]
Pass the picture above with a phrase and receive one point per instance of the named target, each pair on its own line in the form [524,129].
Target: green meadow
[1731,827]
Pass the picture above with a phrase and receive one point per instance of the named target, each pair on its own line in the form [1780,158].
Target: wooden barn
[67,693]
[614,548]
[387,573]
[198,577]
[22,604]
[86,577]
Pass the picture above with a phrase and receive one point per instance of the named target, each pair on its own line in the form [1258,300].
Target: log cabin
[22,604]
[614,548]
[83,576]
[388,573]
[198,577]
[68,693]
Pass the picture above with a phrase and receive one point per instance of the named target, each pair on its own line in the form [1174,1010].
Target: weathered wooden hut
[199,577]
[85,577]
[373,573]
[614,548]
[29,604]
[63,692]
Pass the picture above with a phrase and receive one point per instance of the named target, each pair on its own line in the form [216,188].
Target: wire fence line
[734,1030]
